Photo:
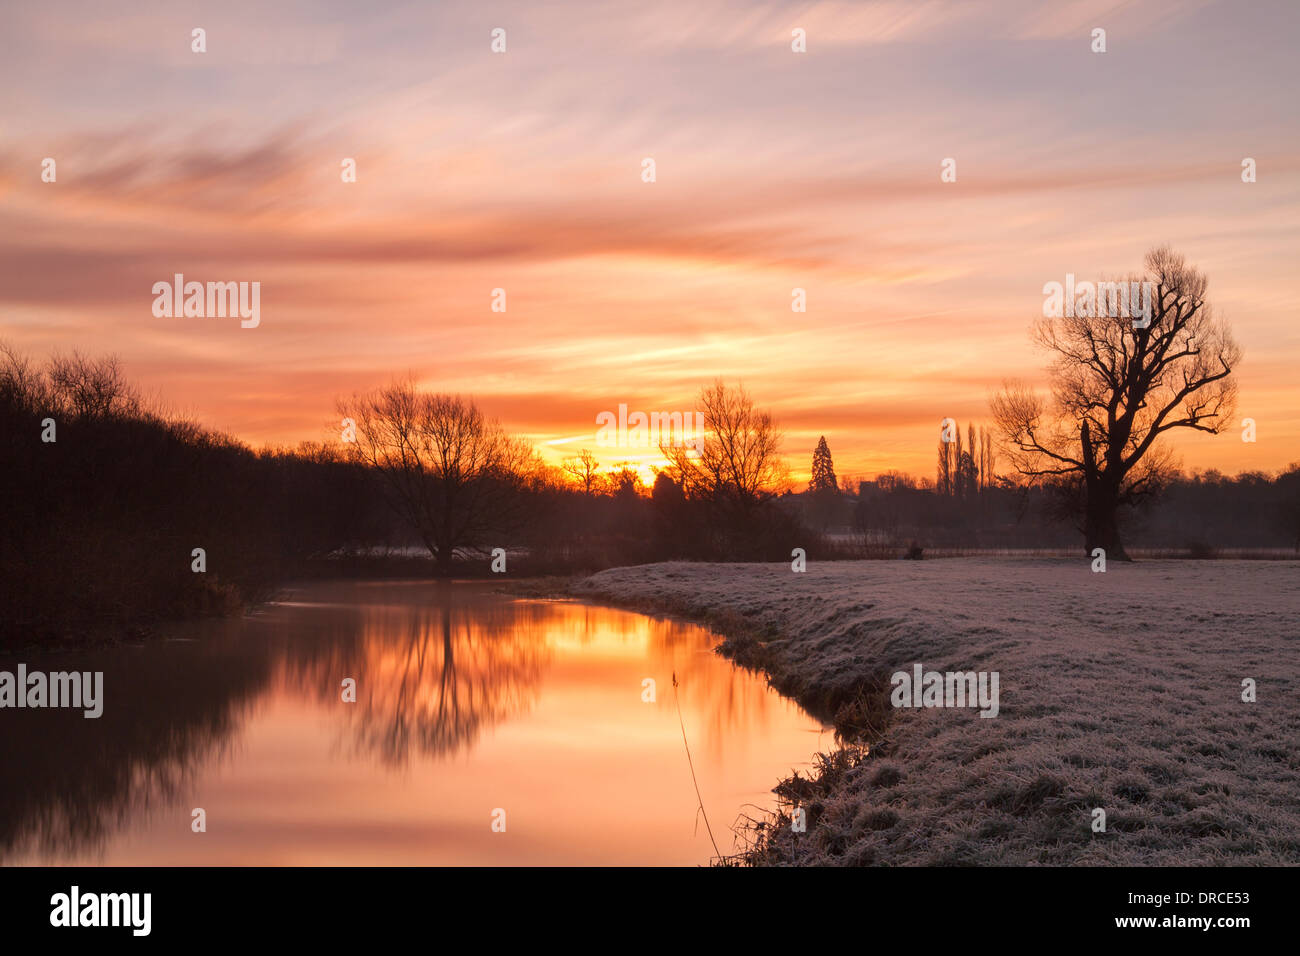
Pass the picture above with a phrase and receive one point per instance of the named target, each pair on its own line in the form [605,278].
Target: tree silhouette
[1119,384]
[823,469]
[453,474]
[584,469]
[967,476]
[736,466]
[731,476]
[944,468]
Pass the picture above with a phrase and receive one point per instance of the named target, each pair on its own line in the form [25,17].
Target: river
[485,730]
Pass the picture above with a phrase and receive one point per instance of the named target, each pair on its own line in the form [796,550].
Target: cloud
[776,170]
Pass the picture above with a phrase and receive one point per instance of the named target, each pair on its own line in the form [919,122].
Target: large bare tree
[1119,383]
[455,476]
[735,465]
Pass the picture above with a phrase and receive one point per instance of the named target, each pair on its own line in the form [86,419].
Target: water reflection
[467,701]
[66,783]
[430,677]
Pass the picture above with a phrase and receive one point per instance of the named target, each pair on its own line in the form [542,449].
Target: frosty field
[1120,691]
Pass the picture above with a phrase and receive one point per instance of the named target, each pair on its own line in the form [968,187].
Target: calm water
[467,701]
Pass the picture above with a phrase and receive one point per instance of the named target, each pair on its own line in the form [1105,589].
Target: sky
[523,171]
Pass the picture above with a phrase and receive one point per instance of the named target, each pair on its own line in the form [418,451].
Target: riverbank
[1119,691]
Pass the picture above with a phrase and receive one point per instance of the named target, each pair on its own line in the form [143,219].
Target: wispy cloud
[775,170]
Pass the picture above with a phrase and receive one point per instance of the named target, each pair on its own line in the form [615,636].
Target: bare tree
[454,475]
[944,468]
[84,387]
[22,384]
[958,476]
[736,464]
[988,458]
[585,470]
[973,472]
[1118,384]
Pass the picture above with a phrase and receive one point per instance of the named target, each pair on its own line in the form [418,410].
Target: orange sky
[522,171]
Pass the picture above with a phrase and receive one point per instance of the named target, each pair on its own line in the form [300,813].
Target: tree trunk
[1100,529]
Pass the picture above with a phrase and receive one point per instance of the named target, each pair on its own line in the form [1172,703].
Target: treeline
[1194,515]
[107,500]
[1199,515]
[466,488]
[119,514]
[613,519]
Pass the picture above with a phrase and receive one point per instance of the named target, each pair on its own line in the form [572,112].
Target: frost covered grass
[1120,691]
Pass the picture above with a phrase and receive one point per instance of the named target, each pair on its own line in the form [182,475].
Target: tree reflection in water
[431,676]
[169,710]
[248,713]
